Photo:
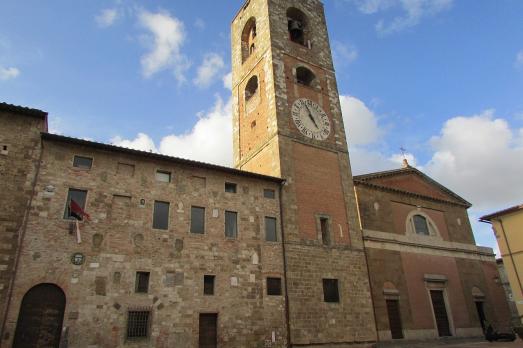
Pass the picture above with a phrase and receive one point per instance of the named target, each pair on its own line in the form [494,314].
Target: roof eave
[114,148]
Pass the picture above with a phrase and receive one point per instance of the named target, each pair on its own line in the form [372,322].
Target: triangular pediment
[412,181]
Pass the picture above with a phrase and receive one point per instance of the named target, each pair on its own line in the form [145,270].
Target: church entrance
[41,317]
[440,312]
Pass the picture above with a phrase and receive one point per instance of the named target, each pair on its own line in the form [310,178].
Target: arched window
[249,39]
[252,88]
[420,225]
[297,25]
[304,76]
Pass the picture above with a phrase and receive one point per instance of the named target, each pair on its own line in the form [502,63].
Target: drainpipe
[21,236]
[287,312]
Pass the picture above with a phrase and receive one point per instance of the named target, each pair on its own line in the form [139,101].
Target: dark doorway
[393,309]
[481,314]
[440,312]
[41,317]
[208,336]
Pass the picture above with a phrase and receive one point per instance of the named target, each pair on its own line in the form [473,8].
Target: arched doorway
[41,317]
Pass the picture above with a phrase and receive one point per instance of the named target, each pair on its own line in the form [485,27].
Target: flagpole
[78,235]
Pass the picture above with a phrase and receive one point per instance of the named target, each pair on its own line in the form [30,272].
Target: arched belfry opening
[305,76]
[297,25]
[249,39]
[251,89]
[40,318]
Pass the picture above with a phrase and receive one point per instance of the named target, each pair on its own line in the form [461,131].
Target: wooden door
[481,314]
[393,309]
[208,336]
[41,317]
[440,312]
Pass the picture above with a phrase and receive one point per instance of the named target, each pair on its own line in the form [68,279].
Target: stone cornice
[425,245]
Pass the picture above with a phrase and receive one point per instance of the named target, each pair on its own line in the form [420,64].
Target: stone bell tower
[288,123]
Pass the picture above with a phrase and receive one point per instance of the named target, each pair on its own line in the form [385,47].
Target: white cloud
[8,73]
[227,81]
[142,142]
[211,66]
[481,158]
[344,53]
[519,60]
[361,124]
[210,140]
[165,40]
[107,17]
[414,11]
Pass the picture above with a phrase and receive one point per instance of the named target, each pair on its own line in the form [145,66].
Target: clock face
[310,119]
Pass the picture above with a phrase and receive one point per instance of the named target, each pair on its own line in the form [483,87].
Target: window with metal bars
[142,282]
[138,322]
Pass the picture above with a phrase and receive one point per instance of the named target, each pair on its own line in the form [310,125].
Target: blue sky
[442,78]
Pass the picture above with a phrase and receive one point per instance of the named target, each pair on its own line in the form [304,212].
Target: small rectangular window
[125,169]
[208,284]
[82,162]
[325,235]
[268,193]
[230,187]
[270,229]
[330,290]
[197,220]
[78,197]
[161,215]
[142,282]
[163,176]
[138,324]
[274,286]
[231,224]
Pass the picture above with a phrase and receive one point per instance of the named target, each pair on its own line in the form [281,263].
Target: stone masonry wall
[19,151]
[119,241]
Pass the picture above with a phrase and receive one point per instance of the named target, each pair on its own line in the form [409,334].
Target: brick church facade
[286,249]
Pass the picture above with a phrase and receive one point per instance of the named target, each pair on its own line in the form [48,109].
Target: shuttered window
[197,220]
[161,215]
[231,224]
[270,229]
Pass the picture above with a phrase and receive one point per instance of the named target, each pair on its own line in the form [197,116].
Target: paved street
[518,343]
[463,344]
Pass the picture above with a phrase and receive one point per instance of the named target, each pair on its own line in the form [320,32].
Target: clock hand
[311,117]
